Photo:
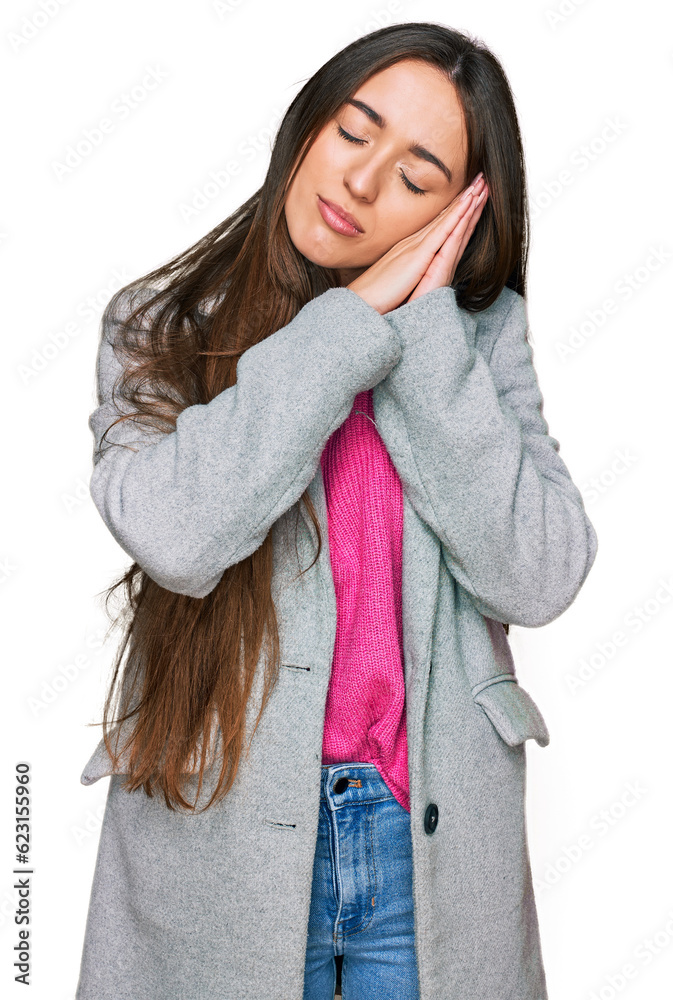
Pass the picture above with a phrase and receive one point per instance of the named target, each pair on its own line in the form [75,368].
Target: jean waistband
[348,783]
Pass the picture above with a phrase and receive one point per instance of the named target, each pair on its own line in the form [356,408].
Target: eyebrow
[416,149]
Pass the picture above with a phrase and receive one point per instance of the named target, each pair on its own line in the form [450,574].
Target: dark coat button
[431,817]
[340,785]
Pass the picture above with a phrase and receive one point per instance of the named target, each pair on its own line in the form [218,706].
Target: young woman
[320,439]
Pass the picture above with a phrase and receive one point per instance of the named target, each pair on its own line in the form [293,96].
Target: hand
[426,259]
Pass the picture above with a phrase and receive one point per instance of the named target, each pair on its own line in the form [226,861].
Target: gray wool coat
[216,905]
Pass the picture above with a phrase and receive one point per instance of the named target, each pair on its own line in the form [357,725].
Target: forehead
[418,101]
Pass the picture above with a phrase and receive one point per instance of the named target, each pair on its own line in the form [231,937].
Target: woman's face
[409,104]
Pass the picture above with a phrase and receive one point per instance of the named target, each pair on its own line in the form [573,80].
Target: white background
[595,75]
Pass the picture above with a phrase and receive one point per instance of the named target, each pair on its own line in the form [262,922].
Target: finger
[450,213]
[444,262]
[475,189]
[474,219]
[467,236]
[453,239]
[439,228]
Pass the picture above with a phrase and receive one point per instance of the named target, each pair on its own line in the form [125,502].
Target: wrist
[360,290]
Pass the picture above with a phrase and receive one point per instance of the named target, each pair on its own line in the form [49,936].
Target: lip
[335,216]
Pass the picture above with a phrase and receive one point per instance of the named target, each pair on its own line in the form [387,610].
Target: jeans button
[340,785]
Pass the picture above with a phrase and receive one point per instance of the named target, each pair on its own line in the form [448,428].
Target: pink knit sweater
[365,718]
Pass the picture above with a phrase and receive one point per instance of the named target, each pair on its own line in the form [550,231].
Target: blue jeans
[361,898]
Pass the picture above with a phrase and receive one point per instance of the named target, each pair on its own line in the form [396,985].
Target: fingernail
[468,191]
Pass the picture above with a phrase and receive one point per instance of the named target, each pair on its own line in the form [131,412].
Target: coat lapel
[420,548]
[421,553]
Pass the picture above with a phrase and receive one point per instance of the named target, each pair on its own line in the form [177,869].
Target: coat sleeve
[187,504]
[481,469]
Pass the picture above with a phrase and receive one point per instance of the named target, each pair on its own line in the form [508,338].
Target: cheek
[320,158]
[302,186]
[317,174]
[400,220]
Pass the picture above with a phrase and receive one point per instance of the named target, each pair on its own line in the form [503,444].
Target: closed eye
[360,142]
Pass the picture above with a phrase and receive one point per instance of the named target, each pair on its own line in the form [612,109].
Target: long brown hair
[182,682]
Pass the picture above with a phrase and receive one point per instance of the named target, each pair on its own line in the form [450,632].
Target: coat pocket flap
[511,710]
[99,764]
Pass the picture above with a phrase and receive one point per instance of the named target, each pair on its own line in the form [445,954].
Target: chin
[315,252]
